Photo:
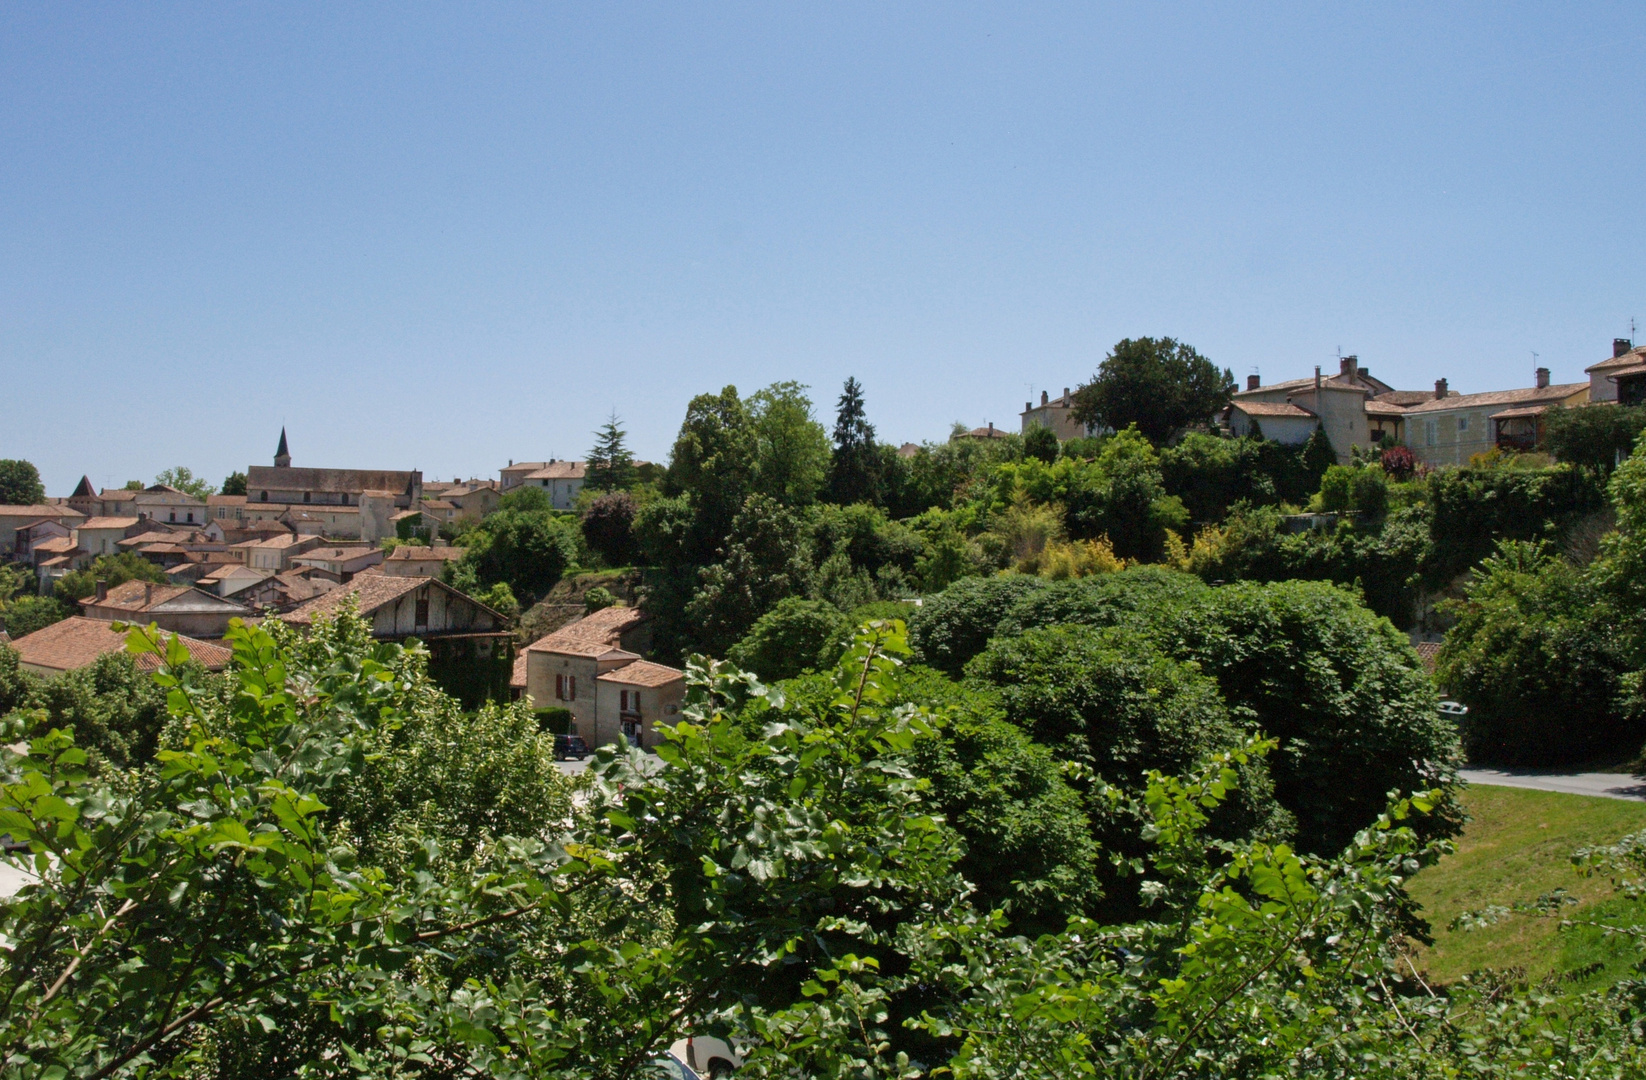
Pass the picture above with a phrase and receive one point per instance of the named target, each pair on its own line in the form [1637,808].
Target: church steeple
[282,456]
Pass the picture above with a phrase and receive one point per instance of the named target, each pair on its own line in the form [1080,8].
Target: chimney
[991,429]
[1043,397]
[148,593]
[1349,367]
[1621,345]
[1065,395]
[1253,382]
[1027,405]
[1440,388]
[1542,378]
[102,589]
[1317,378]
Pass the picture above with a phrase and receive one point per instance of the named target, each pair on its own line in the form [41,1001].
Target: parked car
[1452,708]
[568,747]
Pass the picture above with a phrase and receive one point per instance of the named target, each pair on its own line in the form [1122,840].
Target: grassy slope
[1516,848]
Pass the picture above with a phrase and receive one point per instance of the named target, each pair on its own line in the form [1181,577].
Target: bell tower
[282,456]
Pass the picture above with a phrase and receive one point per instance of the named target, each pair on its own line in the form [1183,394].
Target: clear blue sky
[444,236]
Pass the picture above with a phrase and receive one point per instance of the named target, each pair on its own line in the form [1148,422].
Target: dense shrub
[1535,665]
[954,625]
[1594,438]
[1210,474]
[1340,688]
[608,528]
[794,636]
[1475,508]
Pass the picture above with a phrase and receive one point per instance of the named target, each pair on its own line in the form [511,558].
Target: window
[174,515]
[191,515]
[628,701]
[422,611]
[262,496]
[305,496]
[1463,422]
[1429,432]
[565,687]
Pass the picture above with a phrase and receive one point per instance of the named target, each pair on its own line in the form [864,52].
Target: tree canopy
[854,471]
[610,465]
[20,483]
[1159,384]
[183,479]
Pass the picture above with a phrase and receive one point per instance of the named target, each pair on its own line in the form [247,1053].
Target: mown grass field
[1517,847]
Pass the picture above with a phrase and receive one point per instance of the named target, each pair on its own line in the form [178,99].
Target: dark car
[567,747]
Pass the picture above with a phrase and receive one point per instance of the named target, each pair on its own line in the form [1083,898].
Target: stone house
[13,518]
[102,535]
[345,503]
[561,481]
[1620,378]
[1451,428]
[581,667]
[339,563]
[417,561]
[633,699]
[1055,413]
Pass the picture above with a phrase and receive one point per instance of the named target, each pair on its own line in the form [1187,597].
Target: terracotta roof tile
[608,624]
[559,470]
[413,553]
[1528,396]
[108,523]
[643,673]
[371,591]
[77,641]
[1272,408]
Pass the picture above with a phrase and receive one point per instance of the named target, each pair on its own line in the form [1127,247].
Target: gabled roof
[559,470]
[35,511]
[60,544]
[1407,398]
[108,523]
[606,625]
[371,592]
[1528,396]
[144,596]
[273,478]
[1633,356]
[643,673]
[1272,408]
[419,553]
[78,641]
[563,645]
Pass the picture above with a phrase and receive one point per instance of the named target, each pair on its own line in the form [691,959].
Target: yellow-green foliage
[1061,560]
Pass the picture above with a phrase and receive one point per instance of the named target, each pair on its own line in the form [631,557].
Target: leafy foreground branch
[329,871]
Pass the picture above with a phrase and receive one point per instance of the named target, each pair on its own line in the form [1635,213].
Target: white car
[703,1056]
[1452,708]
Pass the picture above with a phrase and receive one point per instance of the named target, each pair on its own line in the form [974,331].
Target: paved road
[1605,785]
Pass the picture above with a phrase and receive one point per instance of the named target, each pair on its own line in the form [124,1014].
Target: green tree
[20,483]
[1041,442]
[1537,669]
[610,465]
[112,570]
[234,483]
[796,635]
[765,559]
[712,463]
[1318,455]
[26,614]
[529,550]
[853,470]
[1593,438]
[183,479]
[608,527]
[1159,384]
[792,455]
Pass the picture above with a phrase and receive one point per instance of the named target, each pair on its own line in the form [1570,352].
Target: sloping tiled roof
[108,523]
[417,553]
[1627,369]
[568,645]
[1633,356]
[559,470]
[1528,396]
[371,591]
[607,625]
[1383,408]
[225,500]
[643,673]
[1524,410]
[1426,652]
[39,510]
[1407,398]
[272,478]
[517,676]
[1272,408]
[141,596]
[57,544]
[77,641]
